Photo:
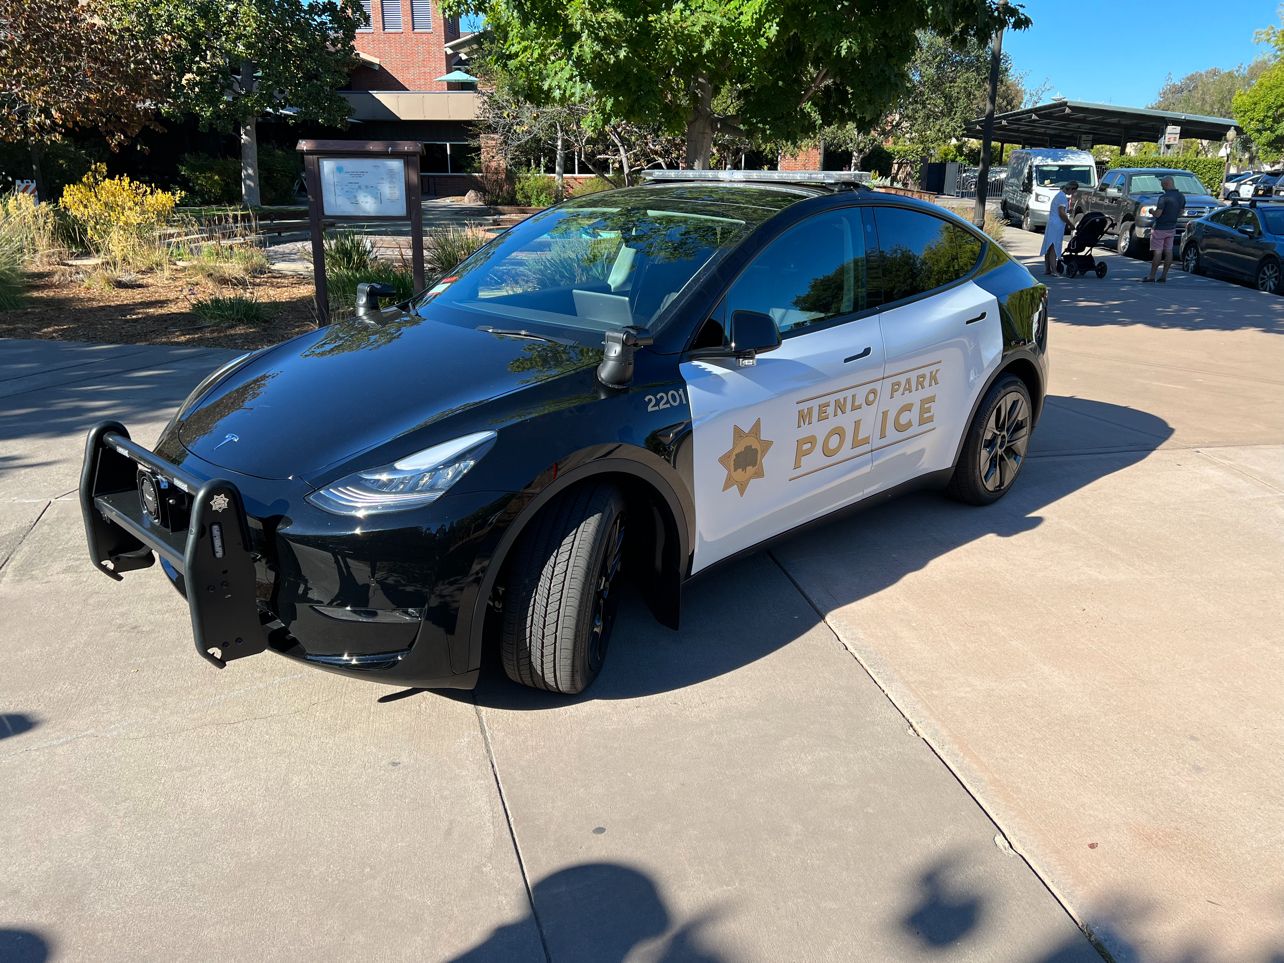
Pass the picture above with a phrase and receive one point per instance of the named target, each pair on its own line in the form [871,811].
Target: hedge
[1209,170]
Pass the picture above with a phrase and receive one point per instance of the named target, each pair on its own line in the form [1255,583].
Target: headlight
[1040,196]
[1146,210]
[411,482]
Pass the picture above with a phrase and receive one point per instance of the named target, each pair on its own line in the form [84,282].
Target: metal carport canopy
[1062,123]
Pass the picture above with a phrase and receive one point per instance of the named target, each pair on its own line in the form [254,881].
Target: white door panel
[784,441]
[940,352]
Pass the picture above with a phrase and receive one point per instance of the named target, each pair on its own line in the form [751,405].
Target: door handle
[979,317]
[857,357]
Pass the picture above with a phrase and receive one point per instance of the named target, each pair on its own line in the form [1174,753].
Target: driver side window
[816,271]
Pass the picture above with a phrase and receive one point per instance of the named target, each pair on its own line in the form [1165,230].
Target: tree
[743,68]
[232,61]
[1209,92]
[1260,108]
[68,65]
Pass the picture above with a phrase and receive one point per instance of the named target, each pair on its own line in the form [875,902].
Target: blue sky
[1077,45]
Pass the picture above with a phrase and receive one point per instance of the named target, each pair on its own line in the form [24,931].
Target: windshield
[1274,220]
[1149,183]
[1060,175]
[598,267]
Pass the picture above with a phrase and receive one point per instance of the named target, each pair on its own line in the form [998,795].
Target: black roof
[1061,123]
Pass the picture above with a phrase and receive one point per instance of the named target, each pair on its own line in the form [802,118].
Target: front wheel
[1026,223]
[1190,259]
[1101,269]
[1126,245]
[995,445]
[563,591]
[1267,277]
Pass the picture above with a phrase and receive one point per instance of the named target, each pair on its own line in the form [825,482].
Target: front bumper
[249,588]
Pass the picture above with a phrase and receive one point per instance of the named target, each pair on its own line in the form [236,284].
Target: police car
[636,384]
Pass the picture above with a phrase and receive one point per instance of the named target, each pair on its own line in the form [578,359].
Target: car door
[787,439]
[1244,247]
[1216,238]
[942,335]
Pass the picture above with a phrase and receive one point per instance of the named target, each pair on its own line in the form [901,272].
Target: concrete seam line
[1061,349]
[512,832]
[1207,453]
[77,364]
[1079,924]
[30,528]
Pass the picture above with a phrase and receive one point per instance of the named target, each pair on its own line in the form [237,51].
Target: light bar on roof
[783,177]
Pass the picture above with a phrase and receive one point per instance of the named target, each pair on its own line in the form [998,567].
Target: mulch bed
[156,309]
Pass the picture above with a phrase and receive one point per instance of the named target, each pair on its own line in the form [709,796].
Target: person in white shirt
[1058,221]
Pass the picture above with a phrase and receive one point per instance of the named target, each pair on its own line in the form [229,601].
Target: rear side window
[815,271]
[1226,217]
[918,253]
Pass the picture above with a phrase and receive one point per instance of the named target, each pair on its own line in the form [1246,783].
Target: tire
[1267,276]
[1072,269]
[1126,245]
[1190,259]
[995,445]
[563,591]
[1101,269]
[1026,223]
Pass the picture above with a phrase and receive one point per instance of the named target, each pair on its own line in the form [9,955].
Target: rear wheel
[1267,277]
[1072,269]
[995,445]
[1190,259]
[1026,223]
[1101,269]
[563,591]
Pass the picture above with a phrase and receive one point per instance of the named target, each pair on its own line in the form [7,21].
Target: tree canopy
[1260,108]
[68,65]
[232,61]
[697,68]
[1209,92]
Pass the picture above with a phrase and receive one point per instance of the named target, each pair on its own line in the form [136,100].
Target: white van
[1034,177]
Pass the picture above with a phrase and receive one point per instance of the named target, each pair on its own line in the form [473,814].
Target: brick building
[412,83]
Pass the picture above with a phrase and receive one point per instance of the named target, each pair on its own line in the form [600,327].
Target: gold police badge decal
[743,460]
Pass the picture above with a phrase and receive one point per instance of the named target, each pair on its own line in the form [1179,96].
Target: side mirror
[368,295]
[752,333]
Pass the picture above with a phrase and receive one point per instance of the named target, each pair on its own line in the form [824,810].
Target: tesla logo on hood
[226,438]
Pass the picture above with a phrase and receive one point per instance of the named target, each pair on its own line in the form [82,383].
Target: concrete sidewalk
[718,796]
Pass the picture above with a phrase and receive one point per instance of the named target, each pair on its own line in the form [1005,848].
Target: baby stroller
[1078,258]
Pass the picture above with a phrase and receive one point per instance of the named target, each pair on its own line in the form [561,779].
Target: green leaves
[774,69]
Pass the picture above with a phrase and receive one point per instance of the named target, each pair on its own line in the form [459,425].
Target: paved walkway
[941,718]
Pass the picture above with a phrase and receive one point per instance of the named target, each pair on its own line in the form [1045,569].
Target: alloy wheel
[1190,259]
[605,601]
[1004,441]
[1268,277]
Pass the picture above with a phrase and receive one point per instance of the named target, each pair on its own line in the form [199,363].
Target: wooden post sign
[361,180]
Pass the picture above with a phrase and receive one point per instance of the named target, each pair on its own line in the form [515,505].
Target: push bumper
[137,507]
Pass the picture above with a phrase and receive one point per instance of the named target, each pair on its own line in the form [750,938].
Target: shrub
[342,284]
[447,249]
[347,251]
[593,185]
[119,219]
[34,230]
[225,311]
[211,180]
[279,169]
[221,262]
[12,280]
[1209,170]
[534,189]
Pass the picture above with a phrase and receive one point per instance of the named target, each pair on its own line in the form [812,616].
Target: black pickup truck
[1128,197]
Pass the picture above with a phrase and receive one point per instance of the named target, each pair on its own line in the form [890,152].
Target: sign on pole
[361,180]
[1172,134]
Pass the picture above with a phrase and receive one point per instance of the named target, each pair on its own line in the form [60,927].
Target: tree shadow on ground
[733,617]
[598,913]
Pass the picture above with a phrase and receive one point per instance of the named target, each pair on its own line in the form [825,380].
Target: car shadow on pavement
[598,912]
[23,946]
[735,615]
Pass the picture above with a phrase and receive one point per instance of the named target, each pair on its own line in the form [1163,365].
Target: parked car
[1127,196]
[1035,176]
[630,385]
[1244,241]
[1268,186]
[1242,184]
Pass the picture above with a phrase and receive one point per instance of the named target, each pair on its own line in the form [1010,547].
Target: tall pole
[987,134]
